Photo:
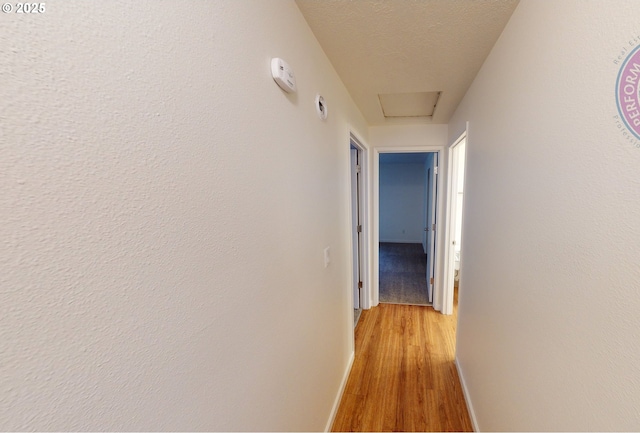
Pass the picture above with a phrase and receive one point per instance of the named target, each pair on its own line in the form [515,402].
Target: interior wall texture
[402,199]
[165,208]
[408,135]
[549,330]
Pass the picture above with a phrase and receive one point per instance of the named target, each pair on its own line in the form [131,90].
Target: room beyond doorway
[406,211]
[403,269]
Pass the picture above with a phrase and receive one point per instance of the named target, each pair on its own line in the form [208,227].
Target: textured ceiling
[407,46]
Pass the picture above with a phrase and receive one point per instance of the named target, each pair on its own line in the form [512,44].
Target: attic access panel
[419,104]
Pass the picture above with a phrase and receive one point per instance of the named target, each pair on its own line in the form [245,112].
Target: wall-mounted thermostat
[321,107]
[283,75]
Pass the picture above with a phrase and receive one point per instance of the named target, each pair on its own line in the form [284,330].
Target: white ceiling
[407,46]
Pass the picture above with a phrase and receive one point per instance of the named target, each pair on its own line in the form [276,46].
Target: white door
[432,174]
[454,222]
[356,226]
[425,233]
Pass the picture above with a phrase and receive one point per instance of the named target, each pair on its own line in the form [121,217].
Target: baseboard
[336,403]
[401,241]
[467,397]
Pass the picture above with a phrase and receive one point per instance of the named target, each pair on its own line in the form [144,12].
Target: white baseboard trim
[343,385]
[467,398]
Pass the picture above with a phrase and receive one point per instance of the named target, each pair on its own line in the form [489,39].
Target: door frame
[431,206]
[374,293]
[356,237]
[365,256]
[449,251]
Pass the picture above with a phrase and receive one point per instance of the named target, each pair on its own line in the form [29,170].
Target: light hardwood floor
[404,377]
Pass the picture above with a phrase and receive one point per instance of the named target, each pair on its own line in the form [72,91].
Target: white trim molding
[366,260]
[449,235]
[338,399]
[467,397]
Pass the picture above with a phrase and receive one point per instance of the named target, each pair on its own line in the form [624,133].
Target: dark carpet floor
[403,269]
[356,316]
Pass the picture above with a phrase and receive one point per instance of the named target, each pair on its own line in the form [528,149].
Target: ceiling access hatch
[419,104]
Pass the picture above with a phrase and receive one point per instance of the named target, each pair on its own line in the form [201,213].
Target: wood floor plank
[404,377]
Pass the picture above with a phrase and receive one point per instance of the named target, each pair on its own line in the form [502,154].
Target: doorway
[455,201]
[431,213]
[438,238]
[359,226]
[407,211]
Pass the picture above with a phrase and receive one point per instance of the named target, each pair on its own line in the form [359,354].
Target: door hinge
[359,229]
[359,284]
[433,227]
[431,281]
[435,170]
[357,169]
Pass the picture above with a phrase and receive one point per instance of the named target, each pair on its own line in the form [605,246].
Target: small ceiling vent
[420,104]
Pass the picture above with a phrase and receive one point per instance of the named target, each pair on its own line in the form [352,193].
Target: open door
[432,188]
[455,199]
[356,226]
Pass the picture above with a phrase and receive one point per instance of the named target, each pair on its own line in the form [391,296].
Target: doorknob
[426,229]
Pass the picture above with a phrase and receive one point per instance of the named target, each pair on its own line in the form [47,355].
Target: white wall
[548,334]
[408,135]
[164,213]
[402,198]
[461,149]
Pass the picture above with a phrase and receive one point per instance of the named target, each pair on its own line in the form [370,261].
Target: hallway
[404,377]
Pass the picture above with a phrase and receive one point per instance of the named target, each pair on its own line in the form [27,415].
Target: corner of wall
[467,397]
[338,399]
